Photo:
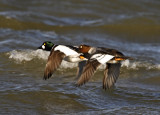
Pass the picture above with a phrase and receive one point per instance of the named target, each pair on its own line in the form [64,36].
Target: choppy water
[132,27]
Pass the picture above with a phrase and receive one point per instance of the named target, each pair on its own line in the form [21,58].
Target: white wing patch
[102,58]
[66,50]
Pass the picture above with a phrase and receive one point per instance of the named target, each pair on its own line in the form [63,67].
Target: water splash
[139,64]
[27,55]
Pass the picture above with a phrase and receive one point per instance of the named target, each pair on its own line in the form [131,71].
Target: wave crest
[28,55]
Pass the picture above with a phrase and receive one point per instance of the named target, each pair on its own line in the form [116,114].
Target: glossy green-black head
[46,46]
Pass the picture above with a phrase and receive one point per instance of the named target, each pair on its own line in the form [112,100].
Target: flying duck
[98,56]
[57,54]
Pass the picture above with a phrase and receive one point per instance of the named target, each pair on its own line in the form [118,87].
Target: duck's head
[46,46]
[84,48]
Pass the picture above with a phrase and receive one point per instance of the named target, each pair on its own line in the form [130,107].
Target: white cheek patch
[43,47]
[66,50]
[102,58]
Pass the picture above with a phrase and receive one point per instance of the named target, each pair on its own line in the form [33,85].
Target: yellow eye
[44,44]
[81,46]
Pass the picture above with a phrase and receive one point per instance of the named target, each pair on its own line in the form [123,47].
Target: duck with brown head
[97,56]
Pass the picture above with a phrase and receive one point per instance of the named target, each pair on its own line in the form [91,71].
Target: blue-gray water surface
[132,27]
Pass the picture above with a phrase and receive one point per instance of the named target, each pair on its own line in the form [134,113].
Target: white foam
[28,55]
[128,64]
[138,64]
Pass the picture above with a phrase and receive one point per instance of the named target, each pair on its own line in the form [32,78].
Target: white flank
[66,50]
[102,58]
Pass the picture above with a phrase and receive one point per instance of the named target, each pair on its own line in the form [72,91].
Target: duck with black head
[57,54]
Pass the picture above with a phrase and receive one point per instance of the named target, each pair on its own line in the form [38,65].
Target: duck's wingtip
[77,85]
[108,87]
[45,77]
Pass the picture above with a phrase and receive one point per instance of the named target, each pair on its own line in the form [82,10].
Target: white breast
[102,58]
[66,50]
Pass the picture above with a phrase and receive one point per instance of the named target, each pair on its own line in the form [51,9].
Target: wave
[20,56]
[28,55]
[139,64]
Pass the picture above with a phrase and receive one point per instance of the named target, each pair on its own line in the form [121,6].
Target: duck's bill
[82,57]
[119,59]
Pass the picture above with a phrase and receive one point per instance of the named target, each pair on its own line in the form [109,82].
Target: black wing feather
[88,72]
[111,74]
[54,60]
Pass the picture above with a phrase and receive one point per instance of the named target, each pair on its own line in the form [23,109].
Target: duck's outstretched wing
[111,74]
[88,72]
[80,68]
[54,60]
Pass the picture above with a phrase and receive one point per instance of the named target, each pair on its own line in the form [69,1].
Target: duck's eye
[81,46]
[44,44]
